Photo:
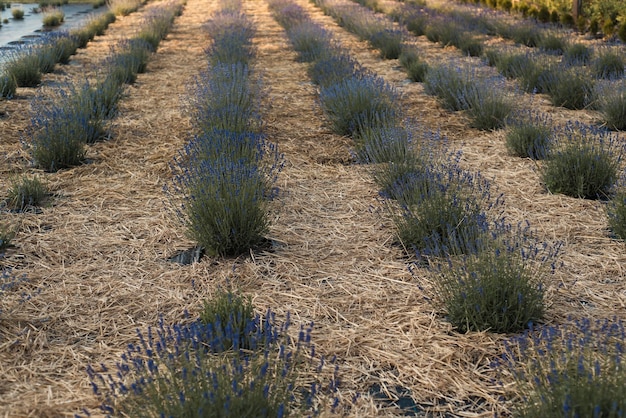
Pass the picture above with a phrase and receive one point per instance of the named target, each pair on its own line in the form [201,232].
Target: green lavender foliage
[584,163]
[616,215]
[25,192]
[498,288]
[529,135]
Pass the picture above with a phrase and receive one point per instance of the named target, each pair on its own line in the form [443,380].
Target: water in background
[16,32]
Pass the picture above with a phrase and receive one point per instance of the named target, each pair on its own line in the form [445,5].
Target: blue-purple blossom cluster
[183,371]
[571,370]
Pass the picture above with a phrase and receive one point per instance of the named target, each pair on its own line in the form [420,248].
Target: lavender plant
[8,85]
[61,126]
[577,54]
[450,84]
[225,196]
[568,88]
[441,210]
[608,64]
[405,172]
[487,104]
[231,34]
[413,65]
[23,65]
[231,316]
[357,103]
[7,233]
[383,143]
[226,97]
[570,370]
[512,64]
[335,68]
[62,46]
[529,135]
[499,287]
[584,163]
[25,192]
[310,41]
[378,30]
[616,214]
[174,371]
[389,42]
[128,58]
[288,14]
[157,24]
[611,103]
[552,43]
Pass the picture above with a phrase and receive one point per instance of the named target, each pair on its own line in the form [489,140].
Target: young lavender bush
[616,214]
[553,43]
[441,210]
[25,192]
[226,97]
[385,143]
[611,103]
[288,14]
[570,370]
[180,371]
[226,181]
[334,68]
[415,68]
[230,314]
[529,135]
[499,287]
[231,34]
[157,23]
[569,88]
[577,54]
[378,30]
[488,106]
[584,163]
[8,85]
[389,42]
[23,65]
[128,58]
[450,84]
[7,233]
[310,41]
[404,171]
[511,64]
[59,129]
[608,64]
[356,103]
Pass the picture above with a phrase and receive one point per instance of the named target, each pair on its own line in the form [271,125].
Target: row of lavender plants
[489,275]
[569,82]
[483,99]
[25,66]
[73,115]
[61,124]
[581,161]
[229,361]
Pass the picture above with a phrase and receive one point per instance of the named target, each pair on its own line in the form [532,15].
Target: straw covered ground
[95,258]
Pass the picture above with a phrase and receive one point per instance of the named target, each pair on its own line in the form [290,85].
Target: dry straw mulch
[95,259]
